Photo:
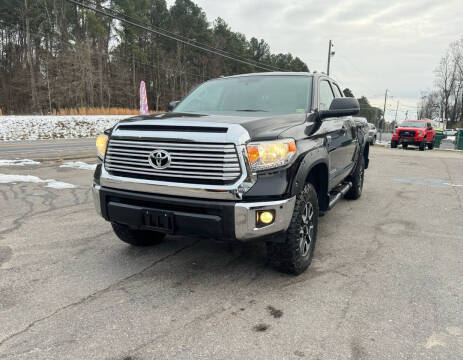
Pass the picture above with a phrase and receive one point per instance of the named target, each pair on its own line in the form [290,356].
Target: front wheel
[295,254]
[423,145]
[137,237]
[393,144]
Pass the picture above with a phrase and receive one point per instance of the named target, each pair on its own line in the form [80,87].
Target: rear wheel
[295,255]
[404,146]
[357,178]
[137,237]
[374,140]
[430,146]
[393,144]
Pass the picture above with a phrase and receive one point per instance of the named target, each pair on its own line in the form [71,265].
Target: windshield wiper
[252,110]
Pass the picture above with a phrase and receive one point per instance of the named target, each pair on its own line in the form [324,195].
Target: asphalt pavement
[386,281]
[48,149]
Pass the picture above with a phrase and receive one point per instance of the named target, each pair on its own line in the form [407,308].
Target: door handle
[328,140]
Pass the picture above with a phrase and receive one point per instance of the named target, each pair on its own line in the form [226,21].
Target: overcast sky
[379,44]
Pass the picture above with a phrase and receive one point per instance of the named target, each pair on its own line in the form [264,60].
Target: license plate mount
[157,220]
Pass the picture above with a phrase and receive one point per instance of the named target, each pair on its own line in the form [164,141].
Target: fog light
[265,217]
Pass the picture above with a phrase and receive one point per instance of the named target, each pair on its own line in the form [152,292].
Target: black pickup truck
[254,157]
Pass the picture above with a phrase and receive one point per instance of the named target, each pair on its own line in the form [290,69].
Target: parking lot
[386,281]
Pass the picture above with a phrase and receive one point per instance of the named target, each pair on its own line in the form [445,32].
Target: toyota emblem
[159,159]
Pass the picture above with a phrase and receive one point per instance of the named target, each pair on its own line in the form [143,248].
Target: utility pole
[384,116]
[396,109]
[330,54]
[406,115]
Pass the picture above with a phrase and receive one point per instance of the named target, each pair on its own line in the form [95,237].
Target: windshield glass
[250,96]
[413,124]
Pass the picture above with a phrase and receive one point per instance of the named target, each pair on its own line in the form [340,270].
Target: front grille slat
[179,150]
[190,162]
[177,160]
[163,145]
[175,165]
[171,174]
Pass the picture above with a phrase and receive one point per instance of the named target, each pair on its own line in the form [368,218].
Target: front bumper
[223,220]
[410,140]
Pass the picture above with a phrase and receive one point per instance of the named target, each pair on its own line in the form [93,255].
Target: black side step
[338,193]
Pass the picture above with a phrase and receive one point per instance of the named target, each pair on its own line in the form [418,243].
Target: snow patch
[53,127]
[18,162]
[59,185]
[8,178]
[78,165]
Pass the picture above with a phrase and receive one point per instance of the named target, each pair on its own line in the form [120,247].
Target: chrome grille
[190,162]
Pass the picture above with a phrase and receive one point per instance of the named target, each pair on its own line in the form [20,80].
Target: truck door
[429,132]
[335,134]
[349,134]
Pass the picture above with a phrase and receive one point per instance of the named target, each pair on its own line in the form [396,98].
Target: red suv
[414,132]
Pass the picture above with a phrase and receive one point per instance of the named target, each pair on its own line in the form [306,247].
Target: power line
[187,39]
[176,38]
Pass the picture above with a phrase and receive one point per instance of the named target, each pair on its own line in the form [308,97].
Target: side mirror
[341,107]
[172,105]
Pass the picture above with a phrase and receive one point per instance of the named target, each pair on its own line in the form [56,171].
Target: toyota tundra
[254,157]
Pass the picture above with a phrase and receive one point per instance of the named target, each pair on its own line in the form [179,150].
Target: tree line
[445,101]
[55,55]
[373,114]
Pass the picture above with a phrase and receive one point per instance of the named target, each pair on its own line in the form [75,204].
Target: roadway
[386,281]
[47,149]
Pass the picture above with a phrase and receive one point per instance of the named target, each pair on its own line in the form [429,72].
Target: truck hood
[259,127]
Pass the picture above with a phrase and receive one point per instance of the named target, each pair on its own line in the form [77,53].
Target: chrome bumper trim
[245,218]
[96,197]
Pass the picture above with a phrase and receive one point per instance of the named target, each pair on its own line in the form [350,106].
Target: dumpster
[459,140]
[438,138]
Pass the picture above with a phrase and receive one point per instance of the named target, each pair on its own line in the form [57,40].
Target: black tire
[357,178]
[295,255]
[137,237]
[404,146]
[393,144]
[423,145]
[430,146]
[373,142]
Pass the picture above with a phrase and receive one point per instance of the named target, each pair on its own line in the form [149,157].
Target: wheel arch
[314,169]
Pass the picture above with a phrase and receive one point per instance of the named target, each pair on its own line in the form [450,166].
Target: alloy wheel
[306,231]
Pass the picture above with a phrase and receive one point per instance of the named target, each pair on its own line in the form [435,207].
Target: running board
[338,193]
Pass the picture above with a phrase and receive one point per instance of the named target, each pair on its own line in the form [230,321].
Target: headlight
[101,143]
[270,154]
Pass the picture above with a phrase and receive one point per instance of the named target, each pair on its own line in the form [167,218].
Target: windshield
[413,124]
[250,96]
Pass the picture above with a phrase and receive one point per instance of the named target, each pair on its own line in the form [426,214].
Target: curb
[437,149]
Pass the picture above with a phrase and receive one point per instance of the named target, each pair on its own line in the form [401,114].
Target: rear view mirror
[172,105]
[341,107]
